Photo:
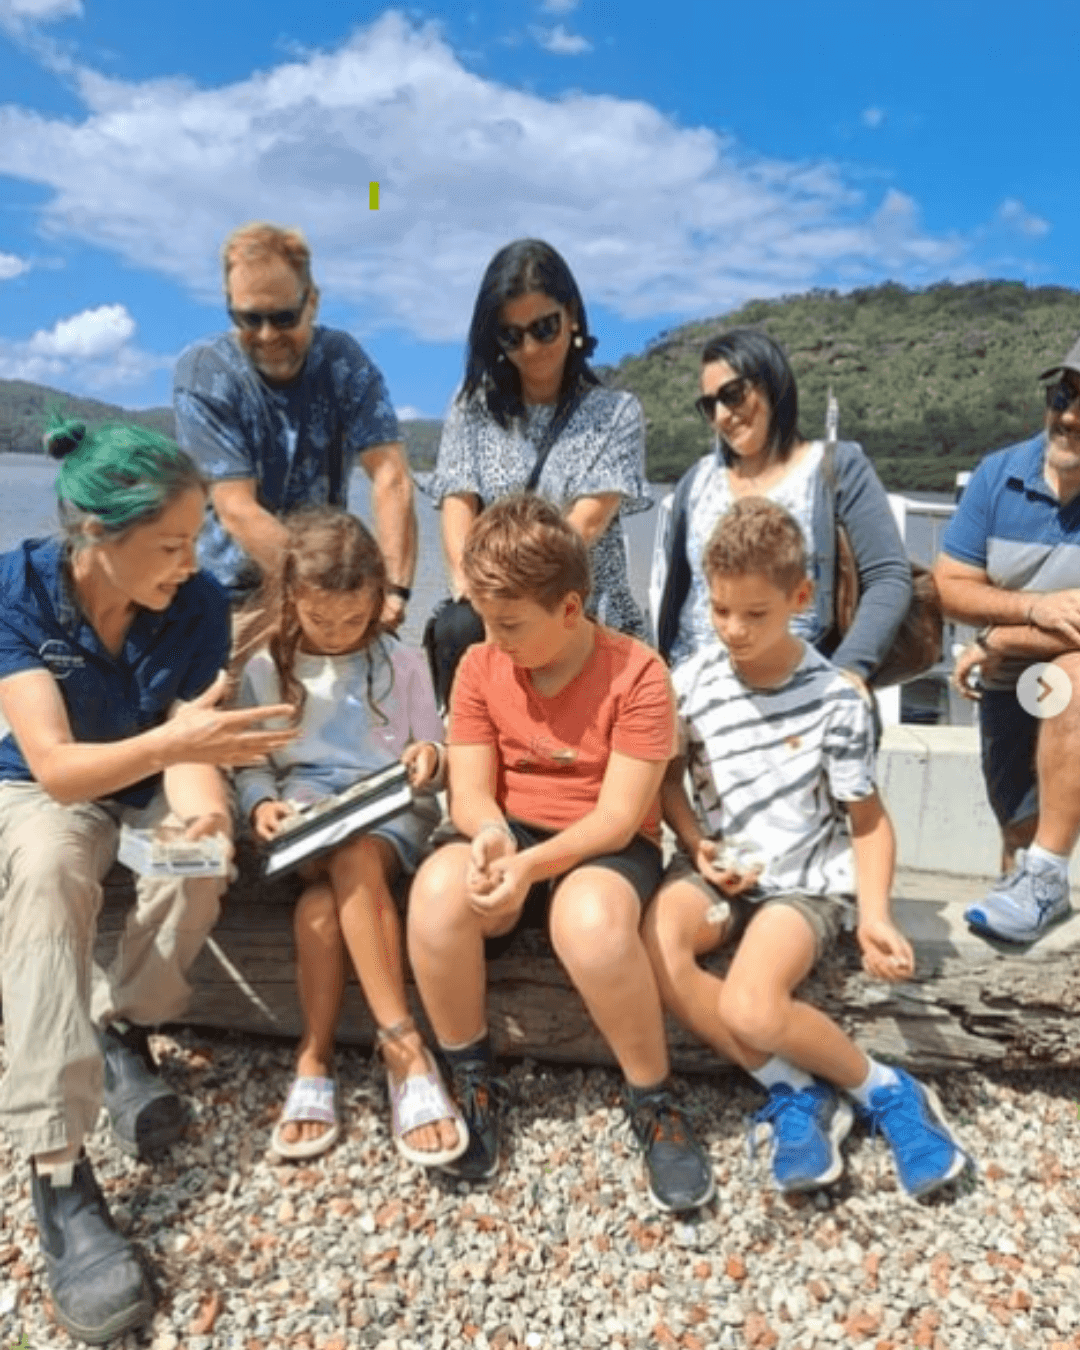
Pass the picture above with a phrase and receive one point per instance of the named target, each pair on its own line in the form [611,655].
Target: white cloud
[11,266]
[88,351]
[37,11]
[1015,215]
[872,117]
[91,334]
[409,414]
[559,6]
[560,42]
[655,217]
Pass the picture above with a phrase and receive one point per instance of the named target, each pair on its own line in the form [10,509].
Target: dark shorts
[1008,737]
[641,863]
[826,915]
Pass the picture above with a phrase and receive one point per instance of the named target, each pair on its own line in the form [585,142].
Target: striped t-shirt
[774,765]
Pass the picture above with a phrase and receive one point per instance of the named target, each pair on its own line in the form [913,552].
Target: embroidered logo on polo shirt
[60,659]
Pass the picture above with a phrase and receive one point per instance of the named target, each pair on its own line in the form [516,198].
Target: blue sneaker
[910,1117]
[1023,905]
[807,1126]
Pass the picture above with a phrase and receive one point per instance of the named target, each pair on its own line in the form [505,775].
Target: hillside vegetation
[25,410]
[928,381]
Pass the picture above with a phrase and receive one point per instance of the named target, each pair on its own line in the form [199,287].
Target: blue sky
[684,157]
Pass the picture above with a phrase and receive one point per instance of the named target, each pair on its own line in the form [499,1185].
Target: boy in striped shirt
[788,827]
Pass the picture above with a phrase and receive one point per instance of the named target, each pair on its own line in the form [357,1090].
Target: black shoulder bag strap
[555,429]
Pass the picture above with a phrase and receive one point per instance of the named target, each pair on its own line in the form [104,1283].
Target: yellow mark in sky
[373,196]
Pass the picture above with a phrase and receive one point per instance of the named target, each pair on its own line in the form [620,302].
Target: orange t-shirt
[553,752]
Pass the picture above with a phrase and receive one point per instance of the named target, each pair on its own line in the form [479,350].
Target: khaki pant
[52,861]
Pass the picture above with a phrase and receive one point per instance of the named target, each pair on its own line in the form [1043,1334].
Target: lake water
[28,507]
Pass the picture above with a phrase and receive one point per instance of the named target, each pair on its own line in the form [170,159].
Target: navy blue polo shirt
[167,655]
[1010,523]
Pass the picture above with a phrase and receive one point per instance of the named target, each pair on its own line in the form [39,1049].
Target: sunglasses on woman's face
[730,395]
[1062,393]
[545,330]
[251,320]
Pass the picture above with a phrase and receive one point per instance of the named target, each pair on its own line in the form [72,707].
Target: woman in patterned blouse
[527,372]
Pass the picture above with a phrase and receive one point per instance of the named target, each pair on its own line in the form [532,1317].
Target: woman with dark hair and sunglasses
[530,414]
[749,399]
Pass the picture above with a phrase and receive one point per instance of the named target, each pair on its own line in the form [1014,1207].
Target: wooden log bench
[969,1004]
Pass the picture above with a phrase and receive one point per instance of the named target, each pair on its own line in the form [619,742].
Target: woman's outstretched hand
[200,732]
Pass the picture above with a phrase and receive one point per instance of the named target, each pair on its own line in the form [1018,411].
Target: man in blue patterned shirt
[278,412]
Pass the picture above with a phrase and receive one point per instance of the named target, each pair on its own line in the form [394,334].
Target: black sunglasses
[251,320]
[1061,394]
[730,395]
[546,329]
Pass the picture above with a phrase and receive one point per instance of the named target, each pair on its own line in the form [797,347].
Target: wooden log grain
[969,1004]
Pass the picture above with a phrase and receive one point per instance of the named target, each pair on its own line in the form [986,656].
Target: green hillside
[928,381]
[25,409]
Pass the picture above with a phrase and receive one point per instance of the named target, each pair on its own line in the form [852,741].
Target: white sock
[1059,860]
[60,1167]
[777,1070]
[878,1076]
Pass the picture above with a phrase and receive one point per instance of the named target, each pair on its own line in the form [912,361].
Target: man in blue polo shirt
[1011,563]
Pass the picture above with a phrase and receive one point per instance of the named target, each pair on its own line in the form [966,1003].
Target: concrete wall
[932,783]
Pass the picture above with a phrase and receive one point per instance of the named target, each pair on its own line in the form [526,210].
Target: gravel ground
[358,1249]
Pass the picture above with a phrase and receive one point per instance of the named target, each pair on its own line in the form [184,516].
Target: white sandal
[421,1099]
[308,1099]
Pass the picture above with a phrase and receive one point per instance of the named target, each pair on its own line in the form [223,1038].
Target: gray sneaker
[1024,905]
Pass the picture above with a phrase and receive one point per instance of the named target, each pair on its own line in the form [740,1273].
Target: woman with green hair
[112,648]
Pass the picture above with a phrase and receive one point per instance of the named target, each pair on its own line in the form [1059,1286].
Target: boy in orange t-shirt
[560,733]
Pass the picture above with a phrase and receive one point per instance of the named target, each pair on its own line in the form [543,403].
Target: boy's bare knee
[437,899]
[594,925]
[751,1015]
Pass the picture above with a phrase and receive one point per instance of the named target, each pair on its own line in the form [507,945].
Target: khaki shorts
[827,915]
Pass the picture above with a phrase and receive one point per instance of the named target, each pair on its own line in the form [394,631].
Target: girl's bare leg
[320,971]
[372,933]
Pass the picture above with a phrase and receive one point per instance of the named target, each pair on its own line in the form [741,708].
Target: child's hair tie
[64,438]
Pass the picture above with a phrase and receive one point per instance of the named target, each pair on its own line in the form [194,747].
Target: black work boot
[146,1115]
[98,1287]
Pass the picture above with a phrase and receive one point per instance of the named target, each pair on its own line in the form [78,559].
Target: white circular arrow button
[1044,690]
